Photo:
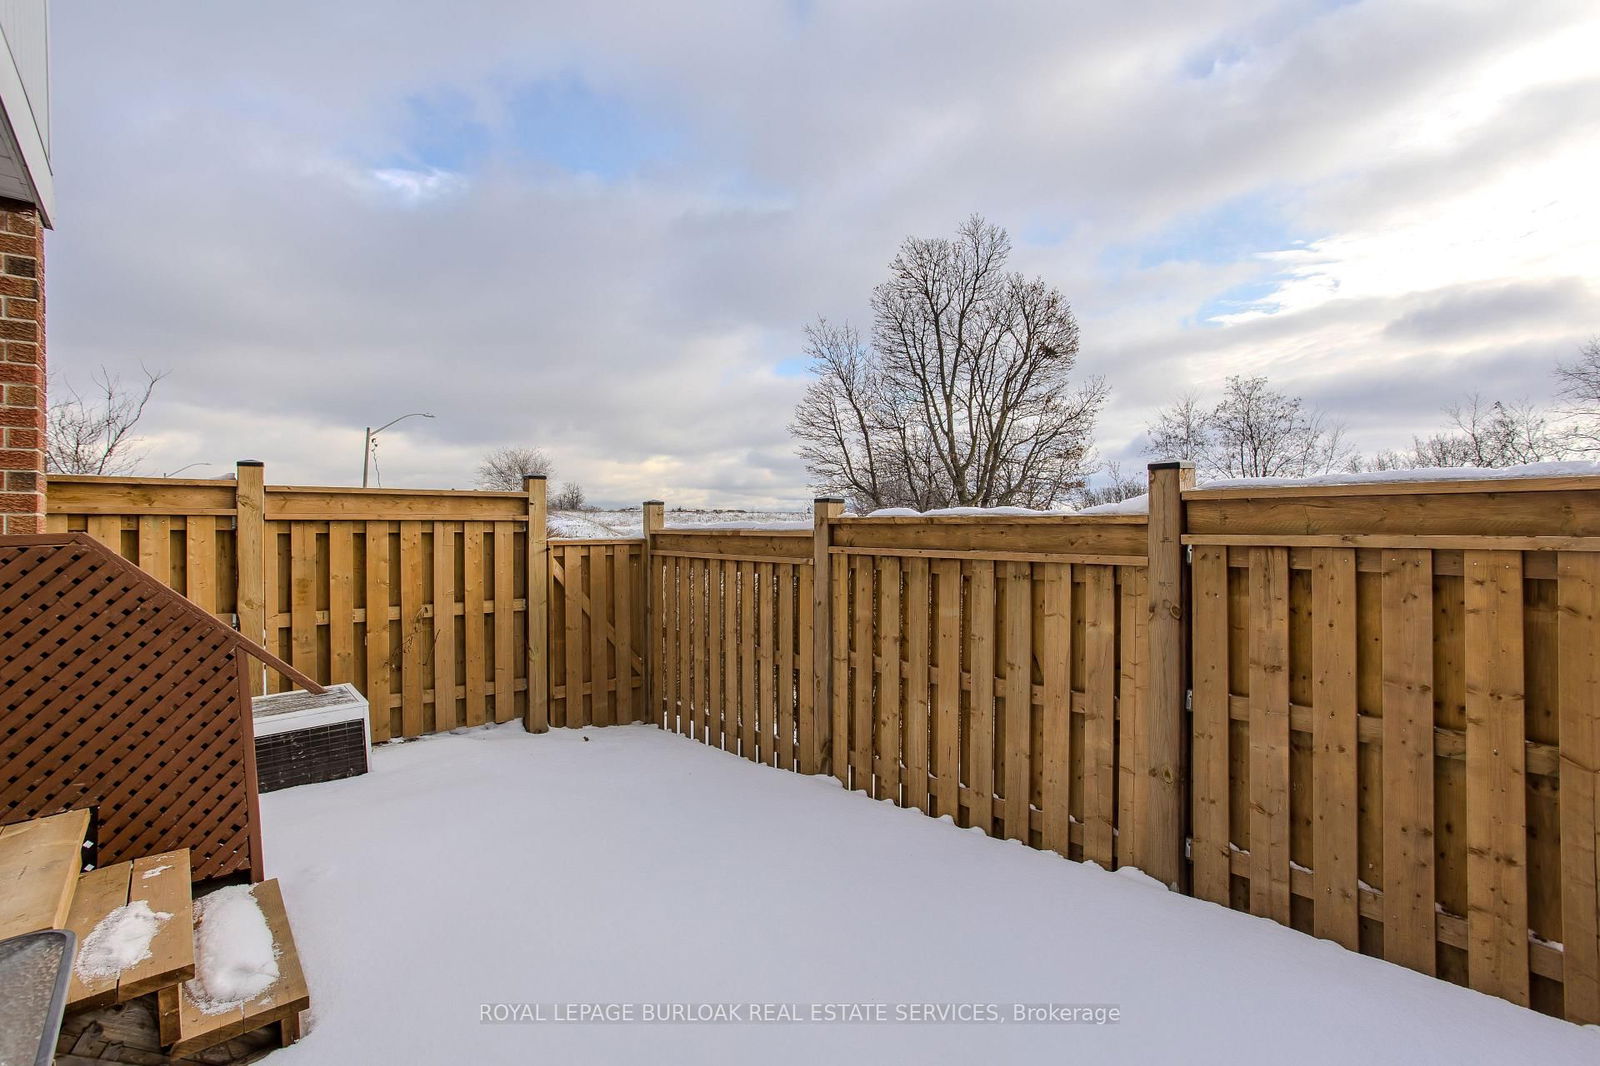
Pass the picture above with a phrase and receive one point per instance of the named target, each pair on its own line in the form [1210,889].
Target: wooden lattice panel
[115,694]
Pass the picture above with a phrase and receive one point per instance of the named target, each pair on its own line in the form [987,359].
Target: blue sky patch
[1233,230]
[443,132]
[564,122]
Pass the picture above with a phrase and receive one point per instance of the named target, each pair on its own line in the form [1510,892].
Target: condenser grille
[305,756]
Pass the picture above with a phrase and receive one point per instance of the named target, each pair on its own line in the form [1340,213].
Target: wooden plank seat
[39,865]
[188,1029]
[162,882]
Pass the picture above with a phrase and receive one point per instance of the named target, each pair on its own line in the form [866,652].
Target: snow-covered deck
[629,866]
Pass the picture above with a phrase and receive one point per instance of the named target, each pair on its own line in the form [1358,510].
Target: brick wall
[22,381]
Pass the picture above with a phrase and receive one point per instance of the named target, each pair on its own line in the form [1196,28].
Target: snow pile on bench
[235,960]
[119,940]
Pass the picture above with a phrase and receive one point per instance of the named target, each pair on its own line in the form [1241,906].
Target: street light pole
[366,448]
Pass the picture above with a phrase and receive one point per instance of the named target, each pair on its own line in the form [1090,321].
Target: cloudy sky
[600,227]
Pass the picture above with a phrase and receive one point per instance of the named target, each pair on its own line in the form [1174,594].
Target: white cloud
[234,214]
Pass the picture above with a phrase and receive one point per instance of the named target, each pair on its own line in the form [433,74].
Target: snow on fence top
[621,525]
[1579,468]
[624,524]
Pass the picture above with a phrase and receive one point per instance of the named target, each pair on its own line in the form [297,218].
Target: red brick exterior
[22,379]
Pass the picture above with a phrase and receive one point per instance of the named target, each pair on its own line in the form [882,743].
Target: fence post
[249,545]
[538,628]
[1161,832]
[816,730]
[653,520]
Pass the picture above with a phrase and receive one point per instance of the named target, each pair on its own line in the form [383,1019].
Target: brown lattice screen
[118,694]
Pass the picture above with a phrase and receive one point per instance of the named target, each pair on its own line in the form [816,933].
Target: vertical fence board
[887,740]
[766,664]
[1018,722]
[1334,798]
[1497,861]
[947,690]
[341,602]
[505,669]
[861,674]
[1099,724]
[918,604]
[1132,758]
[716,705]
[472,619]
[444,627]
[625,707]
[1408,859]
[730,657]
[807,760]
[411,636]
[1269,733]
[747,662]
[200,565]
[786,676]
[601,706]
[1211,848]
[981,710]
[155,547]
[572,560]
[380,664]
[1578,625]
[1055,649]
[839,710]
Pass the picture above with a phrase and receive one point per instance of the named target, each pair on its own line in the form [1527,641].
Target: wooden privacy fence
[1394,740]
[1394,732]
[597,646]
[731,638]
[421,598]
[995,669]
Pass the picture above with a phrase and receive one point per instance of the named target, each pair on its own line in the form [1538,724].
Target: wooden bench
[162,882]
[188,1029]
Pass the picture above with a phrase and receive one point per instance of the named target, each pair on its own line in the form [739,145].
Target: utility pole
[366,448]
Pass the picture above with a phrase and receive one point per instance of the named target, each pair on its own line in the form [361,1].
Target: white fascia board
[25,135]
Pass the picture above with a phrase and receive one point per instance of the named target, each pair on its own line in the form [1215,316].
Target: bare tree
[1580,390]
[569,498]
[93,433]
[1253,431]
[1182,430]
[963,397]
[504,469]
[1116,487]
[1491,435]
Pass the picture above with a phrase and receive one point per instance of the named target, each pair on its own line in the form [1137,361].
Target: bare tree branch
[1253,431]
[94,433]
[963,397]
[504,469]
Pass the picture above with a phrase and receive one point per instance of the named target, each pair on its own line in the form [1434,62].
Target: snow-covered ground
[630,523]
[634,868]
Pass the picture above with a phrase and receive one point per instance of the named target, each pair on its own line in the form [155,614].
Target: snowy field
[631,867]
[630,523]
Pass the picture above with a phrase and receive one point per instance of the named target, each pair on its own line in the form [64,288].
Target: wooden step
[99,893]
[187,1029]
[162,882]
[39,865]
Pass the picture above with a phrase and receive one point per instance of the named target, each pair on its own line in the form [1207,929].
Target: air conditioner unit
[306,737]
